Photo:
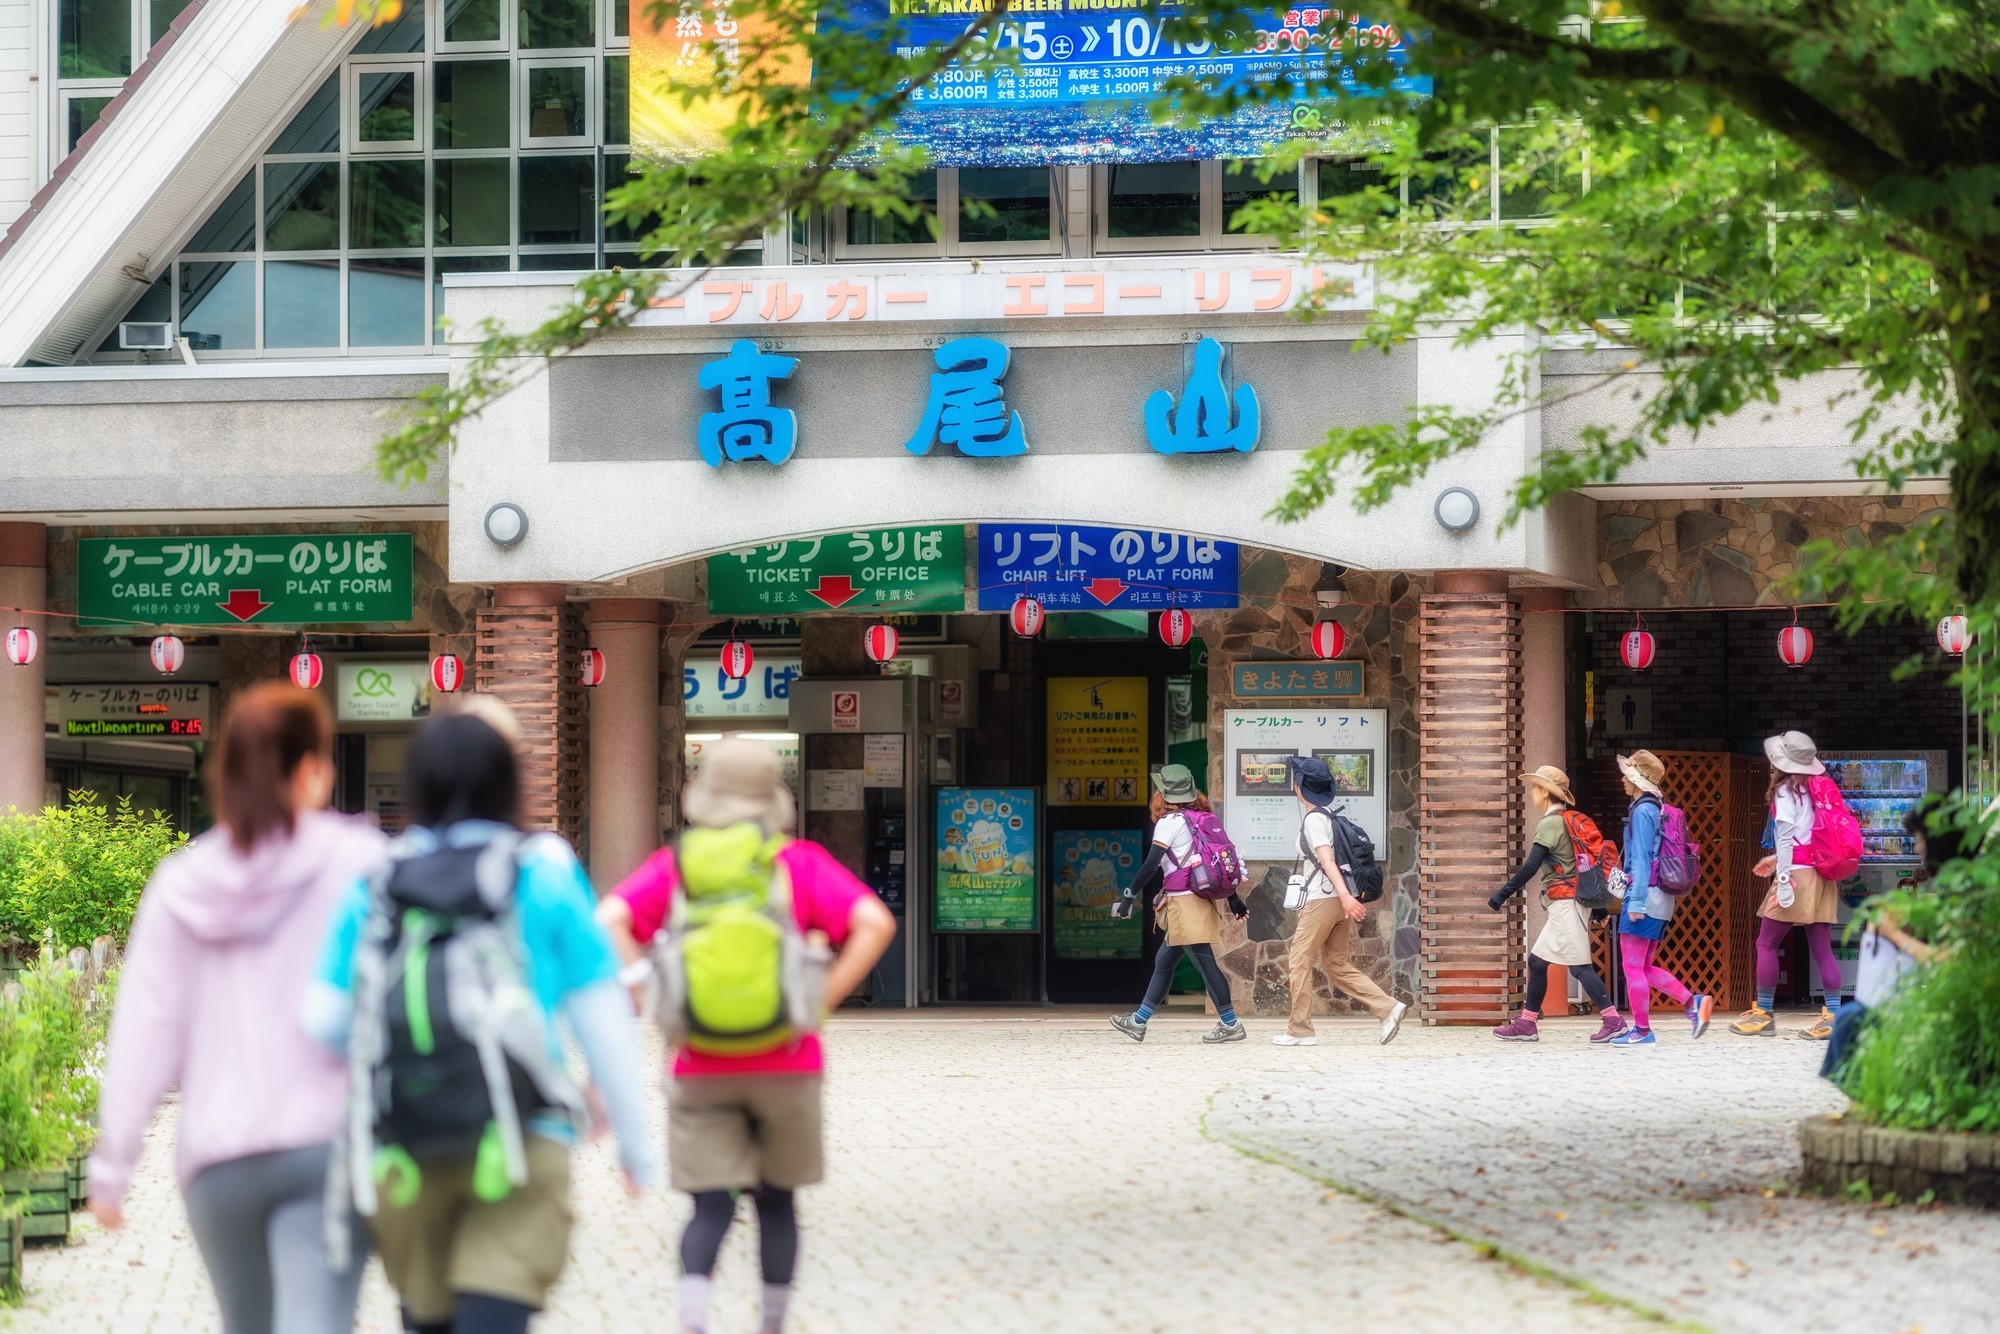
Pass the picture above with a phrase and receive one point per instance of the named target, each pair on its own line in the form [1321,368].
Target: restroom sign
[847,710]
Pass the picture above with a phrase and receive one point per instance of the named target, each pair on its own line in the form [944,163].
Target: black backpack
[1354,852]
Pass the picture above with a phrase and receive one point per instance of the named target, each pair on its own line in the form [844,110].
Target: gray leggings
[259,1224]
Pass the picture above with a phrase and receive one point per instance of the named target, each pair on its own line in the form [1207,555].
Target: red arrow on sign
[1105,591]
[245,604]
[835,589]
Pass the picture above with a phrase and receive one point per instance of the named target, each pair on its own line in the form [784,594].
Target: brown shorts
[735,1132]
[447,1241]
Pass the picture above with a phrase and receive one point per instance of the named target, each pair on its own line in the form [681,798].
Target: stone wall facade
[1839,1152]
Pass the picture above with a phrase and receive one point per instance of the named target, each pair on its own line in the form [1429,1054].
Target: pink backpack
[1215,869]
[1834,850]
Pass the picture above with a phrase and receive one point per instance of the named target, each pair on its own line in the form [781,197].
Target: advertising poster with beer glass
[986,859]
[1091,866]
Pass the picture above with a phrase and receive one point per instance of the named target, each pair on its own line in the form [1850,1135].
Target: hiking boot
[1755,1022]
[1226,1033]
[1612,1026]
[1518,1029]
[1129,1026]
[1393,1022]
[1633,1037]
[1287,1040]
[1822,1028]
[1700,1009]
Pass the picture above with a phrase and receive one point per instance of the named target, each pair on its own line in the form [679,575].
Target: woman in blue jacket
[1647,908]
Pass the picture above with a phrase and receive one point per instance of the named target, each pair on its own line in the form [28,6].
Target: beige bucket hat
[1552,780]
[739,780]
[1644,770]
[1793,753]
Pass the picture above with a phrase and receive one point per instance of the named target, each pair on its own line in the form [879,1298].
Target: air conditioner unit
[146,336]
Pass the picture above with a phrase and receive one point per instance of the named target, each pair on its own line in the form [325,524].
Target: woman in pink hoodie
[210,1000]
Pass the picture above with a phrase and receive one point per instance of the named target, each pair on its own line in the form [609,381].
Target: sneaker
[1700,1009]
[1287,1040]
[1633,1037]
[1518,1029]
[1394,1022]
[1822,1028]
[1754,1022]
[1226,1033]
[1612,1026]
[1129,1026]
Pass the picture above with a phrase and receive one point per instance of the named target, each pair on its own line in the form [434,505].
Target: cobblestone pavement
[1655,1174]
[1035,1171]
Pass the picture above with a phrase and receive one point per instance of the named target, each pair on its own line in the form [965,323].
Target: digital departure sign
[179,729]
[153,710]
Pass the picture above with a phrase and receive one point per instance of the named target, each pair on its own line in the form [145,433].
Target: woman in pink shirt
[748,1122]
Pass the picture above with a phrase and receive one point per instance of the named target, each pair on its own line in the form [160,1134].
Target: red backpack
[1589,881]
[1834,850]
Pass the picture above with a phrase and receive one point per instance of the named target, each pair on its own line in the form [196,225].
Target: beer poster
[986,859]
[1091,867]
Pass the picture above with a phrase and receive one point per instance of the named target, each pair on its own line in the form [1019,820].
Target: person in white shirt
[1799,895]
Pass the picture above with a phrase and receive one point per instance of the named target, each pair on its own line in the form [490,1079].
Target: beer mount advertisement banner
[1085,75]
[986,844]
[1091,867]
[245,579]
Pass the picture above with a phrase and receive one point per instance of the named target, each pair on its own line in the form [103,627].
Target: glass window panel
[564,263]
[616,173]
[316,127]
[401,37]
[558,201]
[618,97]
[93,39]
[1339,177]
[84,112]
[469,201]
[152,793]
[1242,185]
[385,205]
[389,108]
[867,229]
[444,264]
[160,15]
[385,302]
[632,259]
[621,18]
[155,303]
[219,306]
[302,303]
[473,102]
[1154,199]
[472,20]
[547,24]
[302,206]
[743,257]
[557,108]
[1456,184]
[1015,204]
[233,225]
[1548,176]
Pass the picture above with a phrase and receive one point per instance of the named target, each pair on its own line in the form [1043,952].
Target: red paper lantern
[1635,650]
[22,645]
[1795,645]
[1176,627]
[307,671]
[593,667]
[1329,638]
[168,654]
[1027,617]
[1952,636]
[736,659]
[881,642]
[447,673]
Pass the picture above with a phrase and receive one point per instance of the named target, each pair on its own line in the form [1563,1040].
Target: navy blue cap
[1312,776]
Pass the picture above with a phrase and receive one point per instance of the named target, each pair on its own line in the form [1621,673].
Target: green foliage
[75,873]
[52,1029]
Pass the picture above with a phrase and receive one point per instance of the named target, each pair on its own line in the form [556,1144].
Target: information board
[1259,810]
[1074,568]
[381,692]
[1090,867]
[986,846]
[167,710]
[707,694]
[866,572]
[247,578]
[1097,741]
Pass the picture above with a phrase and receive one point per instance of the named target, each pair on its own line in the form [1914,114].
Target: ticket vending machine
[865,768]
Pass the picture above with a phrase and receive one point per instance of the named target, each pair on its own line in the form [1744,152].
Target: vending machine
[1880,787]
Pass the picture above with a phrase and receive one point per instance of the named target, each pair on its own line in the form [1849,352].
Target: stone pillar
[685,625]
[1469,798]
[24,580]
[528,659]
[1544,731]
[623,792]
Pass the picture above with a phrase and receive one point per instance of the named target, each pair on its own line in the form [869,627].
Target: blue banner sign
[1073,568]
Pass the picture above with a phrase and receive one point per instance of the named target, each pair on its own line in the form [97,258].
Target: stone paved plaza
[1035,1171]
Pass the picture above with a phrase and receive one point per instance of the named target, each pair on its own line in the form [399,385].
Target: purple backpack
[1215,869]
[1677,865]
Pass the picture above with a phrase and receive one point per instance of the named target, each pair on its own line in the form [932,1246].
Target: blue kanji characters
[748,427]
[966,407]
[1202,425]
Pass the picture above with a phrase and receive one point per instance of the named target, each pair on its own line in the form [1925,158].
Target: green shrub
[74,874]
[52,1028]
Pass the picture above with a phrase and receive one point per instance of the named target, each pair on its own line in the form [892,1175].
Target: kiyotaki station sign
[245,579]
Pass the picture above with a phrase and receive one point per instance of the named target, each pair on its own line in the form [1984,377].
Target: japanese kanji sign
[1294,680]
[259,579]
[1097,741]
[709,692]
[876,570]
[1071,568]
[1258,806]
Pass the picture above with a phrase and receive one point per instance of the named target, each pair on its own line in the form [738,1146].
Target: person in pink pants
[1642,921]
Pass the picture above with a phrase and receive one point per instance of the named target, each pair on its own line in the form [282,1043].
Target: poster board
[985,859]
[1097,741]
[1089,868]
[1258,808]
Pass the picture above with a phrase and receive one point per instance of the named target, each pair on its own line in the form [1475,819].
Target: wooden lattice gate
[1469,813]
[528,659]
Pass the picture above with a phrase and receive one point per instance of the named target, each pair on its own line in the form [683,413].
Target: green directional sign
[245,579]
[873,571]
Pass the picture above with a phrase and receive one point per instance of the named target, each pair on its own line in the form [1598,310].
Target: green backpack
[737,976]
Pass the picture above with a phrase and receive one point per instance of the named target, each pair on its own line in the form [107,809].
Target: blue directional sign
[1074,568]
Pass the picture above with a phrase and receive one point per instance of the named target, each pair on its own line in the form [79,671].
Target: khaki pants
[1322,936]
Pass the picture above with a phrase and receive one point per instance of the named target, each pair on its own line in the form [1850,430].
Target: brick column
[1469,798]
[528,659]
[623,792]
[24,579]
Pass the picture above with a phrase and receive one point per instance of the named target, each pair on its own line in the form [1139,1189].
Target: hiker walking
[442,978]
[739,979]
[1187,841]
[208,1001]
[1330,908]
[1565,937]
[1816,844]
[1648,906]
